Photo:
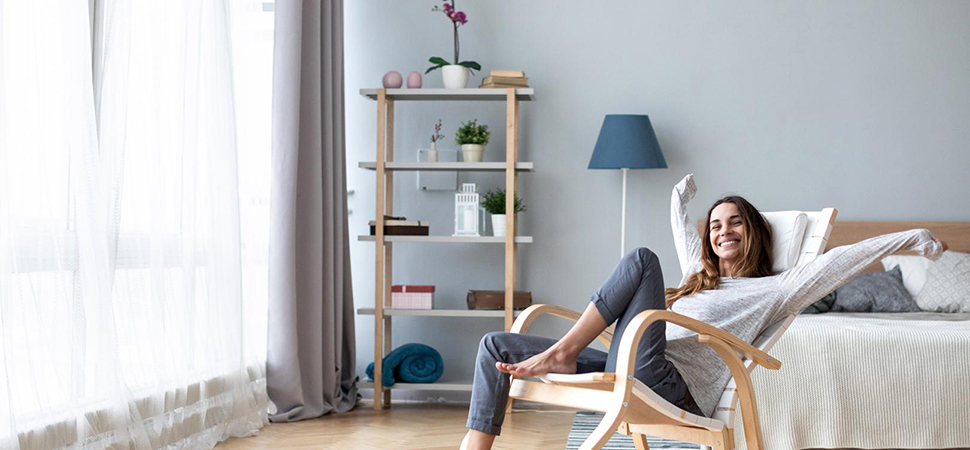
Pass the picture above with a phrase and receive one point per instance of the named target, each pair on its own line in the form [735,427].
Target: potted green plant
[454,75]
[494,204]
[472,138]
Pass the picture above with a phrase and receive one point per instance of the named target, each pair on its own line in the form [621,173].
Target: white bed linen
[868,381]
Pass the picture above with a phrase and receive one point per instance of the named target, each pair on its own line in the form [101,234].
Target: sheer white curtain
[126,320]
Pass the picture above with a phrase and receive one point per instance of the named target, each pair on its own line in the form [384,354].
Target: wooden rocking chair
[631,407]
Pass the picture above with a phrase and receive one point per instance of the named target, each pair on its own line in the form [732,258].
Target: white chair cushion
[788,230]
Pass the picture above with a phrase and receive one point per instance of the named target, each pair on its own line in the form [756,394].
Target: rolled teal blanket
[410,363]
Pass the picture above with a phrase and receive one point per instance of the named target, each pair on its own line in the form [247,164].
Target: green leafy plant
[494,202]
[440,62]
[472,133]
[457,18]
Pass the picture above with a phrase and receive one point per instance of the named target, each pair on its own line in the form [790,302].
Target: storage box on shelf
[385,166]
[412,297]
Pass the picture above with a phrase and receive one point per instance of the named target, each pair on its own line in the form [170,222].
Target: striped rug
[586,421]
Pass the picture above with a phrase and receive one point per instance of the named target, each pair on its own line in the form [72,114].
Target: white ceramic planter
[454,76]
[498,224]
[472,152]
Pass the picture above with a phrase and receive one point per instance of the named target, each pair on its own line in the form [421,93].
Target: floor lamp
[626,141]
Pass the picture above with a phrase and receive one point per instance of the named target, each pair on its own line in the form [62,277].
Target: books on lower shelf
[412,297]
[401,227]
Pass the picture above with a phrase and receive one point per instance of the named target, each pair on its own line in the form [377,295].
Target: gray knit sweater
[746,306]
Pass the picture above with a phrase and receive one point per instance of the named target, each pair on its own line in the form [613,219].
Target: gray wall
[861,105]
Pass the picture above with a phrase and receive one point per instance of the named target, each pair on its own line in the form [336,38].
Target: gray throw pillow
[875,292]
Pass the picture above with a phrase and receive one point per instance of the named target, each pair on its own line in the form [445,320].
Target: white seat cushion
[788,231]
[643,392]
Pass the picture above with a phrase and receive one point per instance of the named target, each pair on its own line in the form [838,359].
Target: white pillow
[947,287]
[787,231]
[914,269]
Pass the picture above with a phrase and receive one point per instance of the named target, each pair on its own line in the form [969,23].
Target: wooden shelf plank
[448,166]
[437,386]
[441,94]
[496,313]
[448,239]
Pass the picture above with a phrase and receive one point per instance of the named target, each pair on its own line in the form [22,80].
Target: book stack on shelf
[505,79]
[400,226]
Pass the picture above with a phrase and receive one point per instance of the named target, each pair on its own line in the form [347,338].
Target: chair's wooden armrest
[530,314]
[749,351]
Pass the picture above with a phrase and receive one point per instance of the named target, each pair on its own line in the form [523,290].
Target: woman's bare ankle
[563,351]
[477,440]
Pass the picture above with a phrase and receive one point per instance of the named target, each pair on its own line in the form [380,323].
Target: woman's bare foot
[552,360]
[476,440]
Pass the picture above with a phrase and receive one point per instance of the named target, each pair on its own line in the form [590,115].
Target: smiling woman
[739,237]
[737,244]
[675,362]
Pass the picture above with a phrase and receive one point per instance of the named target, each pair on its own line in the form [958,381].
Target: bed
[871,380]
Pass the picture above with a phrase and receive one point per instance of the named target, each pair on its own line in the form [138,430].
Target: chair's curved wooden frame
[611,393]
[629,406]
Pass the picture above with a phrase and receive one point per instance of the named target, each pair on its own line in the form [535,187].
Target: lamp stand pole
[623,217]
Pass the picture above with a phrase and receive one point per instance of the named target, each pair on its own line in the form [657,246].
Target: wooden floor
[407,427]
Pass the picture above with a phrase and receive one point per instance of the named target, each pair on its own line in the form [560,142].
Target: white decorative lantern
[467,215]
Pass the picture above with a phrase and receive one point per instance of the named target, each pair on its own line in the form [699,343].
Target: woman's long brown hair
[755,252]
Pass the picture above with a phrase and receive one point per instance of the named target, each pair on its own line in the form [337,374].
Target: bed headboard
[955,234]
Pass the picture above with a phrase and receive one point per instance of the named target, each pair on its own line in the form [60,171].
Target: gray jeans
[635,285]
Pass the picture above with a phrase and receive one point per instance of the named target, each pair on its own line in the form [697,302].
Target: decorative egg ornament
[392,80]
[414,80]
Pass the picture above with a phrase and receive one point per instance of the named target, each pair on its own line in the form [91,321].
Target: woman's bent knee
[647,257]
[493,344]
[642,256]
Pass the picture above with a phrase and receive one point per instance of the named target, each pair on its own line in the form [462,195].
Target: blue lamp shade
[627,141]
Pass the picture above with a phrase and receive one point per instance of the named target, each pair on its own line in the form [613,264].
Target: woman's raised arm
[685,232]
[807,283]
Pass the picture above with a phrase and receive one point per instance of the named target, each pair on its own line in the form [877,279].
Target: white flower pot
[454,76]
[472,152]
[498,224]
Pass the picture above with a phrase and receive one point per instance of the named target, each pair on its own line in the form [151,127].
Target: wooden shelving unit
[385,166]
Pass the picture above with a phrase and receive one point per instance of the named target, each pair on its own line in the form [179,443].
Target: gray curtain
[310,349]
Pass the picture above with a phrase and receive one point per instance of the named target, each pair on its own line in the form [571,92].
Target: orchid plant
[458,18]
